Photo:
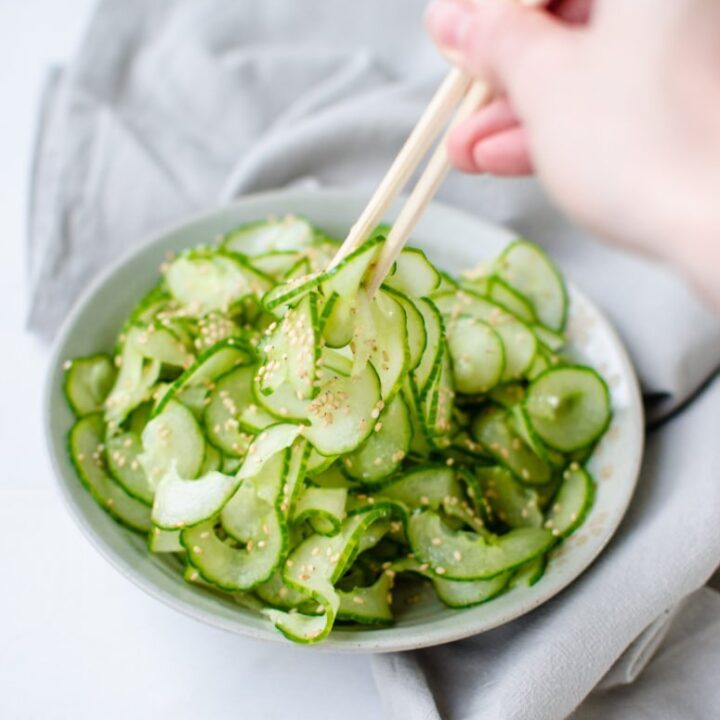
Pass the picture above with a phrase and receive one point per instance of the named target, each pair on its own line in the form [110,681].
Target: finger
[575,12]
[488,121]
[516,48]
[504,153]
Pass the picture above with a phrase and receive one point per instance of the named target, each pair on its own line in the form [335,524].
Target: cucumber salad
[310,451]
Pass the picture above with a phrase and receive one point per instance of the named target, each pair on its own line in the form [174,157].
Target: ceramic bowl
[454,241]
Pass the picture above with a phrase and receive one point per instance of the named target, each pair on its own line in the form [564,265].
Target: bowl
[455,241]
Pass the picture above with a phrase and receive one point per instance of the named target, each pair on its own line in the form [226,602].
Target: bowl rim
[369,641]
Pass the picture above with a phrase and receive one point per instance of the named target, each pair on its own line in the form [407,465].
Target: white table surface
[77,640]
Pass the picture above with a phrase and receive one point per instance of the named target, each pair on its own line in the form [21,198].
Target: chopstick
[432,177]
[456,88]
[437,113]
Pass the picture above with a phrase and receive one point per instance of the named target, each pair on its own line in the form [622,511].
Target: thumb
[520,50]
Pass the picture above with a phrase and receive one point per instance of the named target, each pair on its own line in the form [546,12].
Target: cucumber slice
[157,342]
[294,482]
[331,477]
[313,568]
[213,460]
[572,503]
[335,361]
[439,403]
[88,382]
[155,302]
[302,327]
[383,452]
[569,407]
[210,366]
[232,412]
[172,439]
[478,355]
[266,445]
[345,278]
[429,365]
[183,503]
[337,321]
[519,341]
[222,415]
[424,487]
[230,465]
[164,541]
[530,573]
[389,354]
[205,281]
[468,556]
[278,595]
[539,365]
[270,236]
[526,268]
[415,326]
[122,452]
[368,605]
[456,594]
[413,274]
[503,294]
[300,269]
[520,423]
[275,263]
[508,395]
[492,429]
[193,397]
[555,341]
[323,507]
[344,413]
[319,464]
[133,385]
[86,444]
[254,514]
[214,328]
[513,504]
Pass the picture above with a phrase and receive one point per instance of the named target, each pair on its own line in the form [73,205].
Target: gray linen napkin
[176,106]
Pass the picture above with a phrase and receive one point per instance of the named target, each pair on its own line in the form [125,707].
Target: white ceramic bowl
[455,241]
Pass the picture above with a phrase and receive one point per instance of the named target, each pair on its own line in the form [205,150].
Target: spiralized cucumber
[310,450]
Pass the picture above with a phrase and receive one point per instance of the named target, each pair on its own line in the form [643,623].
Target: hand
[615,105]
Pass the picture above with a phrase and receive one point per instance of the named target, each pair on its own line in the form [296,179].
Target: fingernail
[447,22]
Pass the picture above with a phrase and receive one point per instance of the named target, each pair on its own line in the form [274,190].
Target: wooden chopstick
[456,85]
[424,190]
[431,123]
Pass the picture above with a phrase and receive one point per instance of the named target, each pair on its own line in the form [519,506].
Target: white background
[77,640]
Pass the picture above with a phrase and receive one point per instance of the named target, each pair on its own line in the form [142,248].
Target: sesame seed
[436,541]
[457,555]
[358,600]
[440,570]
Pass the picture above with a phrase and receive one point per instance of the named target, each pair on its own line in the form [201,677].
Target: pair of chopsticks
[457,92]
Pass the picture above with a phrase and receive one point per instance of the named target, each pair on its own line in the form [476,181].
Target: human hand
[615,105]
